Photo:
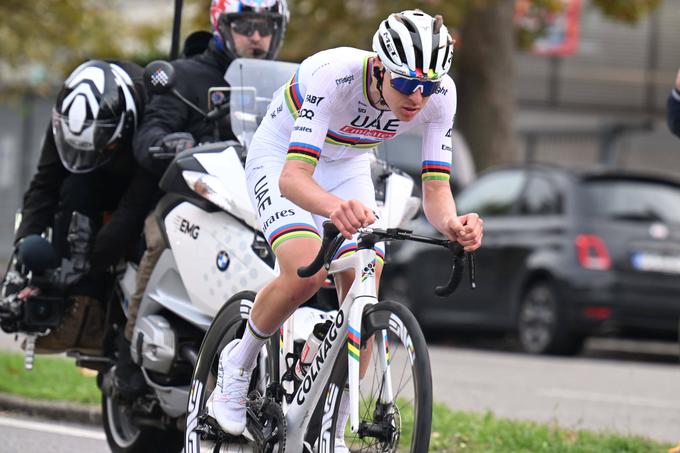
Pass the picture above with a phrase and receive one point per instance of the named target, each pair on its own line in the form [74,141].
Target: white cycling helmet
[414,44]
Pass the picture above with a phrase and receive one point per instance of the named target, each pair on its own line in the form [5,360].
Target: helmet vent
[409,25]
[399,46]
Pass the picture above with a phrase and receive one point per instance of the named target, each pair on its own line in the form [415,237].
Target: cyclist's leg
[294,239]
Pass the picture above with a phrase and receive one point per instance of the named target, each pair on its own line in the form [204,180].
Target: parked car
[566,254]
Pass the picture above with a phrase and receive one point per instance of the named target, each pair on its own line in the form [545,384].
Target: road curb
[57,410]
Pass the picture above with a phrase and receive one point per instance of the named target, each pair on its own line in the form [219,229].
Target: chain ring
[267,424]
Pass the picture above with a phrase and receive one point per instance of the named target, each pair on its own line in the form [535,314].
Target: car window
[633,200]
[493,194]
[541,197]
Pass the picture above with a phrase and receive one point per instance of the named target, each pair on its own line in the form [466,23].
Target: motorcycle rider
[311,160]
[87,165]
[240,28]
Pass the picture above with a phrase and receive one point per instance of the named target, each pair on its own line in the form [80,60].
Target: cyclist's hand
[350,215]
[467,230]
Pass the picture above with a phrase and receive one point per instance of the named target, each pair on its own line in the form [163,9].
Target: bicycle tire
[229,323]
[400,324]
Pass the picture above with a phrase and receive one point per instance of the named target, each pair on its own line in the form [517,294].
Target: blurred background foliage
[53,36]
[41,41]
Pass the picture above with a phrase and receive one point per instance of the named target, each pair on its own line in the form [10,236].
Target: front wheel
[227,325]
[402,422]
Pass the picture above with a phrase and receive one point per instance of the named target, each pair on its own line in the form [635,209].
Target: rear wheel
[227,325]
[124,435]
[542,325]
[404,423]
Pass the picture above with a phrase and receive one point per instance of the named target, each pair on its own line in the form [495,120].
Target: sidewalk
[58,410]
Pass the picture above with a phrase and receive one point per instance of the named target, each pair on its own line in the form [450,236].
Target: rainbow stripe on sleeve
[433,170]
[304,152]
[290,231]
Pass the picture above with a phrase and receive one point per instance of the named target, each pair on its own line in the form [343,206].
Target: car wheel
[541,325]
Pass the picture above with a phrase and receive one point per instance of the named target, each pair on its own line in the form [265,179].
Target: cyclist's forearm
[438,204]
[298,185]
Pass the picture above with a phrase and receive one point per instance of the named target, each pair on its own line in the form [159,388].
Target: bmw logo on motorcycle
[222,261]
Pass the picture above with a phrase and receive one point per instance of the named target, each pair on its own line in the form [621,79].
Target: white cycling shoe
[231,393]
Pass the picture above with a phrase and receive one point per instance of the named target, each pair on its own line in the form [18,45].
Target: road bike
[390,395]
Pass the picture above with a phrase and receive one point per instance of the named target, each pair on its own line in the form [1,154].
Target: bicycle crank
[266,423]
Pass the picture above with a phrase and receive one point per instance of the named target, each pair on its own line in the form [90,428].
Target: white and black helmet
[95,115]
[414,44]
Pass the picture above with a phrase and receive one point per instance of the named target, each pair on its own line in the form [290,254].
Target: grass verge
[52,378]
[57,378]
[456,432]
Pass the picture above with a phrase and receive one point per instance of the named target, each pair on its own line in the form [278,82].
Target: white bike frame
[347,324]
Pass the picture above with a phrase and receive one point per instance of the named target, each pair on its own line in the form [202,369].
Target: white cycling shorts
[280,219]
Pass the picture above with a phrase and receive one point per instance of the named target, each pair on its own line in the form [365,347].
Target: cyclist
[309,161]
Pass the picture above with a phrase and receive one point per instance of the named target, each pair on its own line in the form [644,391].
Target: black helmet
[228,14]
[96,114]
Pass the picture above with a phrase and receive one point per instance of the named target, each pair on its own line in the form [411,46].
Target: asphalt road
[30,435]
[617,386]
[626,387]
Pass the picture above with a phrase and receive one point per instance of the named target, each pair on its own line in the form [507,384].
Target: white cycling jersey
[323,116]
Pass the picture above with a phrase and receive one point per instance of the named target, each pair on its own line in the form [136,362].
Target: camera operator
[86,165]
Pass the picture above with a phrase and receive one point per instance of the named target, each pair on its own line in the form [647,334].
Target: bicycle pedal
[209,430]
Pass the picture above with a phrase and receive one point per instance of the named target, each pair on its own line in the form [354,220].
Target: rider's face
[250,41]
[405,107]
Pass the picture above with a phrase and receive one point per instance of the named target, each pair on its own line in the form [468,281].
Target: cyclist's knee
[304,288]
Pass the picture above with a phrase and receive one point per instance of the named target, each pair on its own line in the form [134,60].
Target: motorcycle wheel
[124,436]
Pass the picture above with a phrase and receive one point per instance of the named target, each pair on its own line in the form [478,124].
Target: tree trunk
[486,92]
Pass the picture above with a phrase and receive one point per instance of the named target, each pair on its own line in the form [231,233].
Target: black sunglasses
[247,27]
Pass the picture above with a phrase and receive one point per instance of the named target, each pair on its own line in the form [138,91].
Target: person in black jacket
[245,28]
[87,165]
[240,28]
[673,112]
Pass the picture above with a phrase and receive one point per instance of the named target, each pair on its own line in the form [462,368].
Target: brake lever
[460,256]
[471,269]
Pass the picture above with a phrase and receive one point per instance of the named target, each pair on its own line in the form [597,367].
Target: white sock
[343,414]
[245,353]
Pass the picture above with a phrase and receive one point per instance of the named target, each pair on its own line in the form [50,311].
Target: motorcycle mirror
[159,77]
[37,254]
